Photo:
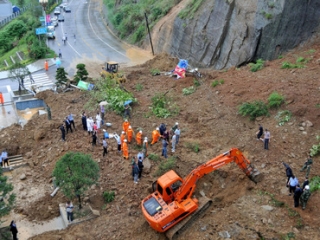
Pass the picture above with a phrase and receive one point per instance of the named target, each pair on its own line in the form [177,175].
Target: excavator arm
[234,155]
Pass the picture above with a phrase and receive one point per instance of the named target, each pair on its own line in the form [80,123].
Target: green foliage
[154,157]
[82,73]
[196,82]
[7,198]
[315,150]
[301,60]
[155,72]
[61,77]
[161,106]
[107,89]
[193,146]
[314,183]
[288,65]
[165,166]
[254,67]
[288,236]
[37,51]
[271,5]
[268,16]
[275,100]
[108,196]
[253,110]
[280,57]
[217,82]
[139,34]
[311,51]
[74,173]
[283,117]
[189,11]
[139,87]
[188,90]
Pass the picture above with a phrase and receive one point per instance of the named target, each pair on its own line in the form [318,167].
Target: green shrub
[161,106]
[155,72]
[315,150]
[301,60]
[253,110]
[196,82]
[139,87]
[275,100]
[193,146]
[314,184]
[288,65]
[268,16]
[165,166]
[283,117]
[154,157]
[189,90]
[139,34]
[254,67]
[108,196]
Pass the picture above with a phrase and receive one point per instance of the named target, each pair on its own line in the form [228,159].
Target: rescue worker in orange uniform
[122,138]
[125,150]
[46,65]
[125,125]
[139,138]
[155,136]
[1,98]
[130,134]
[145,147]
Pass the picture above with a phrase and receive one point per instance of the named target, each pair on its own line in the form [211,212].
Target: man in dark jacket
[63,132]
[297,195]
[289,172]
[68,125]
[162,128]
[14,230]
[84,121]
[140,165]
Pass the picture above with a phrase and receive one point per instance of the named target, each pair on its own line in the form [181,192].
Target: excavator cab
[111,67]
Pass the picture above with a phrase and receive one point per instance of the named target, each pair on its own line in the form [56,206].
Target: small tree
[6,197]
[18,72]
[82,73]
[74,173]
[61,77]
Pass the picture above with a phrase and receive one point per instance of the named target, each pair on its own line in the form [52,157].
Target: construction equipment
[110,67]
[171,206]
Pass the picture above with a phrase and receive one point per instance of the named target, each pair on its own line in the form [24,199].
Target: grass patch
[283,117]
[155,72]
[314,184]
[315,150]
[189,11]
[254,110]
[311,51]
[288,65]
[275,100]
[154,157]
[162,106]
[196,82]
[193,146]
[108,196]
[258,65]
[188,90]
[139,87]
[165,166]
[217,82]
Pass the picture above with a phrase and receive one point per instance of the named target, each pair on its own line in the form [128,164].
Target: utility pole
[145,14]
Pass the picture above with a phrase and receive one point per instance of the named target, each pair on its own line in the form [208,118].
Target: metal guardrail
[8,19]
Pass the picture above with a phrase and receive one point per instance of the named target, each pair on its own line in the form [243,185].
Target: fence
[5,21]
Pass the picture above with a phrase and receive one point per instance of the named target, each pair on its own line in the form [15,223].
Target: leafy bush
[314,184]
[189,90]
[161,106]
[82,73]
[139,87]
[275,100]
[301,60]
[155,72]
[254,67]
[165,166]
[108,196]
[196,82]
[154,157]
[139,34]
[255,109]
[288,65]
[283,117]
[315,150]
[193,146]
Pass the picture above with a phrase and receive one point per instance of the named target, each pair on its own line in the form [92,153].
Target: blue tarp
[183,63]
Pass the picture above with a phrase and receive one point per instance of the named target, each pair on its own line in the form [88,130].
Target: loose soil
[209,117]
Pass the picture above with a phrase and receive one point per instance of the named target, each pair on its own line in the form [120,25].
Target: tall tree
[61,77]
[18,72]
[82,73]
[7,198]
[74,173]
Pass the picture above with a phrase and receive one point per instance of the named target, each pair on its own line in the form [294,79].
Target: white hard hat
[140,131]
[307,187]
[145,138]
[123,132]
[177,123]
[125,140]
[130,127]
[157,129]
[126,120]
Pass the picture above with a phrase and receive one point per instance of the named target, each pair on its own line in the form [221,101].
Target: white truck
[50,32]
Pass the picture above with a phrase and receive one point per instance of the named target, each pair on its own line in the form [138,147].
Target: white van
[56,11]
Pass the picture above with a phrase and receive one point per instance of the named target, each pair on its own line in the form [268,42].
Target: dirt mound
[164,62]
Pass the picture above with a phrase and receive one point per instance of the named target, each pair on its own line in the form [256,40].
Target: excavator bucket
[254,174]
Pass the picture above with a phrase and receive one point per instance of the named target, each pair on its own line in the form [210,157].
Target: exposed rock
[23,176]
[301,128]
[147,165]
[39,134]
[309,124]
[267,207]
[224,234]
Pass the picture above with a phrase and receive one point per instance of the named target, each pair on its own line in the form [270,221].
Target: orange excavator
[171,207]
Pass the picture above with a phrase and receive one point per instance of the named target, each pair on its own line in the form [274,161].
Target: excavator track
[175,231]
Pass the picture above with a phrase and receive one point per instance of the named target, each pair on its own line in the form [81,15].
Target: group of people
[300,194]
[68,122]
[266,136]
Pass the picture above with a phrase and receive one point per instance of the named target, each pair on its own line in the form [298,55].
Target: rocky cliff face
[226,33]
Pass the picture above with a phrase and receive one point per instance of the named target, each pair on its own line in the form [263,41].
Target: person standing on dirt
[259,132]
[297,195]
[102,111]
[4,156]
[71,120]
[118,139]
[135,170]
[127,111]
[139,138]
[105,147]
[166,135]
[164,148]
[94,139]
[173,129]
[84,121]
[173,142]
[130,134]
[13,230]
[292,183]
[155,136]
[266,139]
[305,183]
[162,129]
[289,172]
[98,120]
[68,125]
[305,197]
[69,208]
[125,125]
[140,155]
[307,165]
[145,147]
[140,165]
[125,149]
[177,133]
[63,132]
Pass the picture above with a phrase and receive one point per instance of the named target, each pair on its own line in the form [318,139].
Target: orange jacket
[139,138]
[1,98]
[122,137]
[46,65]
[155,136]
[130,134]
[125,126]
[125,150]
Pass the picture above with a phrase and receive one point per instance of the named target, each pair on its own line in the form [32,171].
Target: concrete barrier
[30,103]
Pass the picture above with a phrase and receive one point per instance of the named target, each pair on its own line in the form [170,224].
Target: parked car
[54,18]
[50,32]
[61,18]
[54,23]
[67,9]
[57,11]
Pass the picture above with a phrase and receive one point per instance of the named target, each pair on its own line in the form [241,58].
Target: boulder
[23,176]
